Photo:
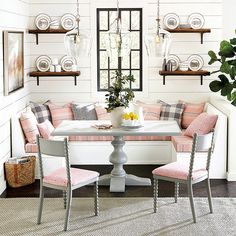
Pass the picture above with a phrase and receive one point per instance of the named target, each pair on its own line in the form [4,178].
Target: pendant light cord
[77,17]
[158,17]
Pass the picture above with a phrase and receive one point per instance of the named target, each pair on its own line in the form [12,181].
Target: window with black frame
[131,20]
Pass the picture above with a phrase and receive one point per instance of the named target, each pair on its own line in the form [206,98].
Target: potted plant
[118,97]
[227,58]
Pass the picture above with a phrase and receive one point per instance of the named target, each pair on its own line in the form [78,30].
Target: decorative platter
[175,61]
[67,62]
[196,20]
[43,63]
[42,21]
[171,21]
[195,62]
[68,21]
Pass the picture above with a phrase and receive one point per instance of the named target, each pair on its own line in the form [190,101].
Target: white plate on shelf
[68,21]
[171,21]
[67,62]
[43,63]
[195,62]
[196,20]
[175,61]
[42,21]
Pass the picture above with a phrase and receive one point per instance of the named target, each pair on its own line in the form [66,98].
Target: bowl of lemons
[130,119]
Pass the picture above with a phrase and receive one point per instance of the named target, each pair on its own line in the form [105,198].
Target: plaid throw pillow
[41,111]
[172,111]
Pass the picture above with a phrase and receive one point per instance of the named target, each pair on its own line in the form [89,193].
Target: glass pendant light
[117,39]
[158,43]
[78,42]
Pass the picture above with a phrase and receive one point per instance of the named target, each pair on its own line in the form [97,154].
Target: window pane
[126,72]
[135,20]
[113,63]
[103,60]
[103,79]
[135,60]
[136,74]
[135,40]
[112,17]
[125,63]
[103,20]
[125,20]
[102,40]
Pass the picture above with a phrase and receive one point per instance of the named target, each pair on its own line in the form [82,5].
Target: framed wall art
[13,61]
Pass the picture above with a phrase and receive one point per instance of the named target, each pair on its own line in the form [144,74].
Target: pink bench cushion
[78,176]
[182,143]
[179,170]
[126,138]
[32,148]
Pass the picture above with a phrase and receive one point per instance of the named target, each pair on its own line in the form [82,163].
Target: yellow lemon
[126,116]
[135,116]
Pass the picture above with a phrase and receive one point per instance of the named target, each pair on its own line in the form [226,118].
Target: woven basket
[21,174]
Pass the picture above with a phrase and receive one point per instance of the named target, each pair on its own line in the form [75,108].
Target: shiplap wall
[13,16]
[62,89]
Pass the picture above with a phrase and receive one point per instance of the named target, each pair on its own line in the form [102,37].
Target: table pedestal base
[118,178]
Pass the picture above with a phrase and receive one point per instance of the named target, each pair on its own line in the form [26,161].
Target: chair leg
[176,191]
[209,194]
[155,194]
[96,200]
[190,194]
[41,198]
[64,198]
[69,199]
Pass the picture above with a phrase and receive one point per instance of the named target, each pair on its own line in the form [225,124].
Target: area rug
[118,216]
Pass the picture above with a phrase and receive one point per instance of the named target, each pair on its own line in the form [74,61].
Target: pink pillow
[203,124]
[151,111]
[29,125]
[191,111]
[60,113]
[45,129]
[102,113]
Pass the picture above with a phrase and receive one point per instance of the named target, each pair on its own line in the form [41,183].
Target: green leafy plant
[119,94]
[227,58]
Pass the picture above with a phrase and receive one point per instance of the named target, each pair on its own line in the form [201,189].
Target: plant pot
[116,116]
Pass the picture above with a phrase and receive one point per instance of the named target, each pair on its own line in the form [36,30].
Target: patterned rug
[119,217]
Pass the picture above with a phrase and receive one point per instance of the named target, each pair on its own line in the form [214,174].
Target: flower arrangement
[119,94]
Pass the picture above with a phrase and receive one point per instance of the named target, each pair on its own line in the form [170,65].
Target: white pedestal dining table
[118,178]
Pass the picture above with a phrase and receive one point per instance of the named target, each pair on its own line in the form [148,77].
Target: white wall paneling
[14,15]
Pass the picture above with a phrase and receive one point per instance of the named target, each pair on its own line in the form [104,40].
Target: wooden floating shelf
[190,30]
[38,74]
[200,73]
[48,31]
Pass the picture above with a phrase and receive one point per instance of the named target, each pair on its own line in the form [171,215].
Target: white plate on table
[131,127]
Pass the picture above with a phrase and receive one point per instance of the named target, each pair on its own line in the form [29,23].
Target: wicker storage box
[21,174]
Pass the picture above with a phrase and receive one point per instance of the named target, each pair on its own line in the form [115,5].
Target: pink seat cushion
[179,170]
[78,176]
[182,143]
[203,124]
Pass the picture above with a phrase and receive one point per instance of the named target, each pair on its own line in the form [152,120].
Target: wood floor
[220,188]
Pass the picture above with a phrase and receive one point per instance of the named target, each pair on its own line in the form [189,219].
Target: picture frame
[13,61]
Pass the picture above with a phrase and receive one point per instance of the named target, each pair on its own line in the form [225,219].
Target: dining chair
[188,172]
[66,178]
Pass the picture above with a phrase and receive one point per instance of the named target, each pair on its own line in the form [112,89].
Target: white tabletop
[85,128]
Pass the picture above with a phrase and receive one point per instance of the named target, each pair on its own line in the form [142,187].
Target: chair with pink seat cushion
[66,178]
[188,172]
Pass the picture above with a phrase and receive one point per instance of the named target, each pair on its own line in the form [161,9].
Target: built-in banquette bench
[157,150]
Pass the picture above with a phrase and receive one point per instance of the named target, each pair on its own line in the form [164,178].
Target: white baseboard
[231,176]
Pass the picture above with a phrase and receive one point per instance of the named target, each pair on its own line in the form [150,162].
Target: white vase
[116,116]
